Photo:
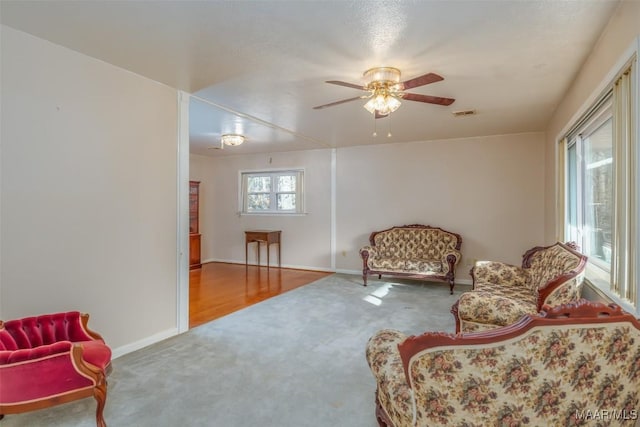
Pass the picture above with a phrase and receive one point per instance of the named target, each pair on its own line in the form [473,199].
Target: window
[590,186]
[272,192]
[599,175]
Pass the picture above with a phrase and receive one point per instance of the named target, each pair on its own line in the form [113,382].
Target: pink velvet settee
[51,359]
[570,365]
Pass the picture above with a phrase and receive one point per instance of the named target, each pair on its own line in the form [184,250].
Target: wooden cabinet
[194,225]
[194,251]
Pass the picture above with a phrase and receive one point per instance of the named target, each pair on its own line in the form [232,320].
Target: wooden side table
[261,236]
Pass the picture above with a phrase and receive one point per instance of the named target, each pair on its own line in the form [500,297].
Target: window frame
[600,280]
[273,174]
[603,113]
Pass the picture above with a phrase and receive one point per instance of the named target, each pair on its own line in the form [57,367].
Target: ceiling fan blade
[319,107]
[345,84]
[427,98]
[421,81]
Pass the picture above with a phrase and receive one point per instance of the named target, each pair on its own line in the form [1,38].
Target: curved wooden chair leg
[100,394]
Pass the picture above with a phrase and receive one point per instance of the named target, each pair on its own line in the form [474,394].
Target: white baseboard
[359,273]
[329,270]
[296,267]
[128,348]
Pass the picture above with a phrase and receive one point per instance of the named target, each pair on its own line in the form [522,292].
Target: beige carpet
[291,361]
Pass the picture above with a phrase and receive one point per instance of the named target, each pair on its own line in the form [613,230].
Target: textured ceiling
[258,67]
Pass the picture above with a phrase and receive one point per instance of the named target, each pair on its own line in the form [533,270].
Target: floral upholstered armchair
[549,369]
[503,293]
[49,360]
[412,251]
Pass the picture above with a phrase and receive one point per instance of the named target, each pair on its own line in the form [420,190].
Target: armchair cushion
[487,273]
[385,362]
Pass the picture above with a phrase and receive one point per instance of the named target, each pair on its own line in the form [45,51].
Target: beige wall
[88,191]
[618,36]
[488,189]
[306,239]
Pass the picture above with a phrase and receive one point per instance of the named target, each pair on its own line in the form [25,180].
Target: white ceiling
[258,67]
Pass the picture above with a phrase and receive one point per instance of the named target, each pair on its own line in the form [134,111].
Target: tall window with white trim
[601,187]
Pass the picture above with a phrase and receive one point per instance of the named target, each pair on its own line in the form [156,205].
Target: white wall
[306,239]
[487,189]
[619,34]
[88,191]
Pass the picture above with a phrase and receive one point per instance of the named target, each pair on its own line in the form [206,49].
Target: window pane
[287,183]
[258,202]
[286,202]
[598,192]
[572,195]
[259,184]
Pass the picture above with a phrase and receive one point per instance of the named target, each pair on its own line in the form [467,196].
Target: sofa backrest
[32,332]
[544,370]
[415,241]
[547,264]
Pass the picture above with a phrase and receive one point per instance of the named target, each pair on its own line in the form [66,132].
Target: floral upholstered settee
[412,251]
[556,368]
[503,293]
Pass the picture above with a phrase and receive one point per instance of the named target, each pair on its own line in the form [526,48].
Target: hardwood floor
[217,289]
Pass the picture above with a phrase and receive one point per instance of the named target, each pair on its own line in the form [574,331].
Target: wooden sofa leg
[364,278]
[100,394]
[451,286]
[379,276]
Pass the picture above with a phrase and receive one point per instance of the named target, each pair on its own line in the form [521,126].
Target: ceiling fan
[385,91]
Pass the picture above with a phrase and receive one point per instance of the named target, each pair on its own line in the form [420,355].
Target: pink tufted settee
[51,359]
[573,364]
[412,251]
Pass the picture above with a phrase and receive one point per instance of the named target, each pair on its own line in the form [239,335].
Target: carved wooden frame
[578,312]
[451,260]
[98,391]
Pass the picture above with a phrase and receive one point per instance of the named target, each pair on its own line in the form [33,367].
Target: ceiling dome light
[232,139]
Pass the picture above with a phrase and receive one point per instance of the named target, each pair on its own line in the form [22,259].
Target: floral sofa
[574,364]
[503,293]
[412,251]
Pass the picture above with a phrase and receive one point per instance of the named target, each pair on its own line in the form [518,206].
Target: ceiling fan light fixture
[382,75]
[383,103]
[232,139]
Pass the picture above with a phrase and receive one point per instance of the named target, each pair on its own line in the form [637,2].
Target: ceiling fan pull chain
[375,133]
[389,128]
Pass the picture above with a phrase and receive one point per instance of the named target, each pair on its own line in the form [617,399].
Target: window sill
[602,290]
[273,214]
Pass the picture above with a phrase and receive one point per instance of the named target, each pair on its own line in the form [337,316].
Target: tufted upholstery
[503,293]
[416,251]
[51,359]
[548,369]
